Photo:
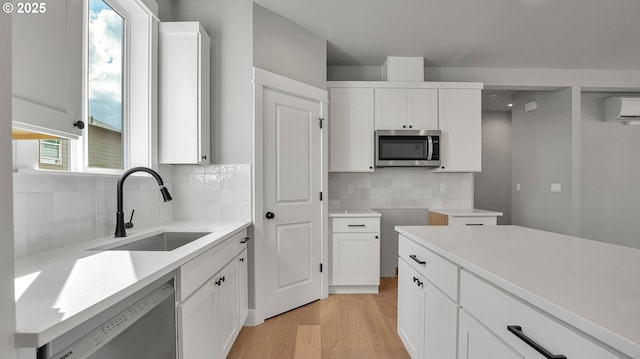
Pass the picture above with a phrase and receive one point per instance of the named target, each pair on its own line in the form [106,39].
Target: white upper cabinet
[391,109]
[47,69]
[398,109]
[351,130]
[184,91]
[460,120]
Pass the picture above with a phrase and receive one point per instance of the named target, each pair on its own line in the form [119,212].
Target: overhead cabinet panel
[47,69]
[184,106]
[351,130]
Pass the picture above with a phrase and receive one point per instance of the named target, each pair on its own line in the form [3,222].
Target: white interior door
[292,185]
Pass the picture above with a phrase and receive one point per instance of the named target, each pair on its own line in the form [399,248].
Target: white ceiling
[581,34]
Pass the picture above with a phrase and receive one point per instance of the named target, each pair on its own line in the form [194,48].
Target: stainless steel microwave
[408,148]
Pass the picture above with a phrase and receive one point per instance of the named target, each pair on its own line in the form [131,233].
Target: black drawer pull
[517,331]
[475,224]
[246,239]
[356,225]
[415,258]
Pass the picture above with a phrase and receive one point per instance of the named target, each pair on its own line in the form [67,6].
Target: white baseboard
[353,289]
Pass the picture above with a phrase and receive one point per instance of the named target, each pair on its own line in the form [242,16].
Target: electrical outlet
[350,188]
[556,187]
[443,187]
[517,187]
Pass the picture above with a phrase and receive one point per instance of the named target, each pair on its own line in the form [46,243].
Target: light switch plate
[556,187]
[517,187]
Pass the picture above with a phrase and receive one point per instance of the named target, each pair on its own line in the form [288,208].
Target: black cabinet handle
[404,126]
[517,331]
[415,279]
[246,239]
[222,279]
[475,224]
[377,237]
[420,284]
[270,215]
[204,157]
[415,258]
[356,225]
[241,259]
[410,126]
[218,282]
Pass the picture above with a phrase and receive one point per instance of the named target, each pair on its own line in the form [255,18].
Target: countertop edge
[36,337]
[462,212]
[606,337]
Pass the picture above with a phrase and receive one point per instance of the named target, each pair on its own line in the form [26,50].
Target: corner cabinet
[351,130]
[212,300]
[47,69]
[184,93]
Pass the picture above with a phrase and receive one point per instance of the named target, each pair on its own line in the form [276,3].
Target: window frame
[83,155]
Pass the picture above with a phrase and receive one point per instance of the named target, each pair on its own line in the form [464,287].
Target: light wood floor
[341,326]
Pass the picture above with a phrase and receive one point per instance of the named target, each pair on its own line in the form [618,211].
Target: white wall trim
[287,85]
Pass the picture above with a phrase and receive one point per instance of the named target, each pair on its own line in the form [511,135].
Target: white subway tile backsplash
[399,188]
[65,205]
[56,210]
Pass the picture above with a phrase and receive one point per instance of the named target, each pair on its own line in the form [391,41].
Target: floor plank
[341,326]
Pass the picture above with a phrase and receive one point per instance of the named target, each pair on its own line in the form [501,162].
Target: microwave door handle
[429,148]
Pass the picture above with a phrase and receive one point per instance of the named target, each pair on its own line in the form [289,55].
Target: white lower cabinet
[355,253]
[477,342]
[210,318]
[427,319]
[488,323]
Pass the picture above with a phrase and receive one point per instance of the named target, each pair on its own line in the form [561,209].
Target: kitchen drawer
[356,224]
[497,310]
[473,221]
[243,240]
[439,271]
[197,271]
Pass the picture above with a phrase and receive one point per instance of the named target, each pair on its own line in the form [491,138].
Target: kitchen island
[502,291]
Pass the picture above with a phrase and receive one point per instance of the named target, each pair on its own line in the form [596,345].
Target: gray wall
[610,171]
[541,142]
[230,25]
[492,186]
[7,304]
[285,48]
[389,236]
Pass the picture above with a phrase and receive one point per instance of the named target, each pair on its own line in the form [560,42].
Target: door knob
[270,215]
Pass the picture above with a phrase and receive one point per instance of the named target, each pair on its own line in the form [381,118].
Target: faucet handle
[129,225]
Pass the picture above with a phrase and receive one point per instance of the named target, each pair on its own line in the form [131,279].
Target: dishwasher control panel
[91,342]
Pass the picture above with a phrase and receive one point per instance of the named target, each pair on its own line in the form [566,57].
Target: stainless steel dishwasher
[140,327]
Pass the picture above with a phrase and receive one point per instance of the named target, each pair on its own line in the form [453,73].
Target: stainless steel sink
[166,241]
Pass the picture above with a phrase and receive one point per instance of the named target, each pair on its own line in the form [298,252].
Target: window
[105,86]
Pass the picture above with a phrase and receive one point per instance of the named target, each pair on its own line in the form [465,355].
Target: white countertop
[591,285]
[355,213]
[465,212]
[59,289]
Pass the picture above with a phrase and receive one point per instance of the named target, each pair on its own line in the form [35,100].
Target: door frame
[263,79]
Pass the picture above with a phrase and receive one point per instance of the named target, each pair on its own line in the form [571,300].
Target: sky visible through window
[106,30]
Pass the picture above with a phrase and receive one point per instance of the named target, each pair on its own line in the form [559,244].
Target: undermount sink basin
[166,241]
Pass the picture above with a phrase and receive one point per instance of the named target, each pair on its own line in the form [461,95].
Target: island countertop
[591,285]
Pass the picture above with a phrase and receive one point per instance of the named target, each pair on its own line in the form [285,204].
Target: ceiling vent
[622,109]
[397,68]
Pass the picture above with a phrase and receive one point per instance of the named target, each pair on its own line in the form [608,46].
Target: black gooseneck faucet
[120,231]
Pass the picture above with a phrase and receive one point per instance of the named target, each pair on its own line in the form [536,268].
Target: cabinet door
[243,299]
[422,109]
[184,82]
[226,309]
[441,328]
[411,305]
[477,342]
[391,109]
[196,324]
[47,69]
[460,123]
[356,259]
[351,130]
